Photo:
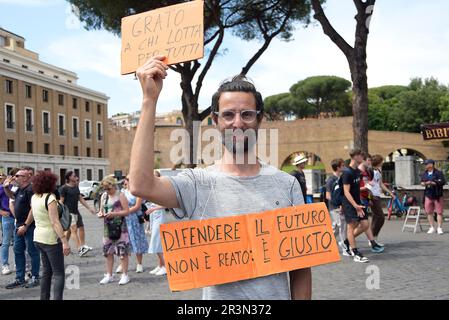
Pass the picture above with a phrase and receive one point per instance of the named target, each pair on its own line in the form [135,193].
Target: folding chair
[412,213]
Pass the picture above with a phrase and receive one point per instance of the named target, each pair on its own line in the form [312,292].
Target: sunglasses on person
[19,175]
[247,116]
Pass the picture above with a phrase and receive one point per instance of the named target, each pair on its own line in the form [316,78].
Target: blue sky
[407,39]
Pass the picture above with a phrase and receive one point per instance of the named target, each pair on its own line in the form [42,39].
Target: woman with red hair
[49,236]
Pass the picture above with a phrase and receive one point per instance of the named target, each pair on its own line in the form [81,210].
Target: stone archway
[315,169]
[412,159]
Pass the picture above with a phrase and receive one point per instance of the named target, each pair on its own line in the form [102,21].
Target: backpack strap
[46,201]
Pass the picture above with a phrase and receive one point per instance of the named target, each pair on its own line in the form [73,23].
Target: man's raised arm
[142,181]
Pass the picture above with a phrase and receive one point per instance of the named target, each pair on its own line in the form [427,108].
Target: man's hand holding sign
[258,231]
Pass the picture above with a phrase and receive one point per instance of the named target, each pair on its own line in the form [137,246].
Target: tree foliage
[398,108]
[261,20]
[310,98]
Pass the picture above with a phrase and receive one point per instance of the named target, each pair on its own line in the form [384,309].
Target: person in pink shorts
[433,180]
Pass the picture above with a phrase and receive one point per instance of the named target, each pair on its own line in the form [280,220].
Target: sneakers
[119,268]
[440,231]
[431,230]
[124,279]
[6,270]
[378,243]
[342,246]
[347,252]
[107,279]
[376,248]
[139,268]
[358,257]
[28,276]
[162,271]
[15,284]
[83,250]
[154,270]
[34,282]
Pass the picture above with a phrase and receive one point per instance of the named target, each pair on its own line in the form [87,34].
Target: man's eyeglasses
[247,116]
[19,175]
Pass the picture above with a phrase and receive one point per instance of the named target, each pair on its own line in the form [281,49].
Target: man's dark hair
[68,175]
[355,152]
[376,160]
[13,171]
[239,83]
[29,169]
[336,163]
[365,155]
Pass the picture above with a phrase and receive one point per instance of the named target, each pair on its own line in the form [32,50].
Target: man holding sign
[229,187]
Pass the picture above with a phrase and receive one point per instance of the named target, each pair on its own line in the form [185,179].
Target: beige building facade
[326,138]
[47,121]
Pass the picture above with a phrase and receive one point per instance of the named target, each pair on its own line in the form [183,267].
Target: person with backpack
[337,217]
[433,180]
[49,235]
[113,209]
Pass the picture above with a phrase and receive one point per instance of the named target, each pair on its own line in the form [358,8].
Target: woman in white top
[49,236]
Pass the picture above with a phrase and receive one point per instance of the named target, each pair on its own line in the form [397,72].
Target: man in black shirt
[355,213]
[300,163]
[24,232]
[70,195]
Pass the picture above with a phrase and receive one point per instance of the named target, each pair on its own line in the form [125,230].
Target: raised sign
[176,32]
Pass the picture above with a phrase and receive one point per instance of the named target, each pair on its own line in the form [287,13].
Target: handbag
[114,225]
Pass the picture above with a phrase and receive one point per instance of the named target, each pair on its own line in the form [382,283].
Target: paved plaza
[413,266]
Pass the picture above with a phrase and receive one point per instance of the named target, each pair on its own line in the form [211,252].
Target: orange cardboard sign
[208,252]
[176,32]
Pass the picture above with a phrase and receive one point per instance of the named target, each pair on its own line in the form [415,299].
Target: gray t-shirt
[208,193]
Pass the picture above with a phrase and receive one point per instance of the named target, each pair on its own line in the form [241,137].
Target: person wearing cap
[300,163]
[433,180]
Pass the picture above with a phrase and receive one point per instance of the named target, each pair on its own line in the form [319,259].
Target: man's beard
[239,146]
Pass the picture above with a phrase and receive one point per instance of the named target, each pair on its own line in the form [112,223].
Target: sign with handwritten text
[208,252]
[176,32]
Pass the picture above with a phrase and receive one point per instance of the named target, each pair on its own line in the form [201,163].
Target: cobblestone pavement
[413,266]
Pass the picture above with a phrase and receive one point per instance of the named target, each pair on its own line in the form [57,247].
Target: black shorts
[77,219]
[351,214]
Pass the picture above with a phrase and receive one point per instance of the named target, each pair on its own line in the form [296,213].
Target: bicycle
[395,206]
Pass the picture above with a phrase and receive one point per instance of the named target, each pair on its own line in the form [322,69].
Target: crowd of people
[353,195]
[31,205]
